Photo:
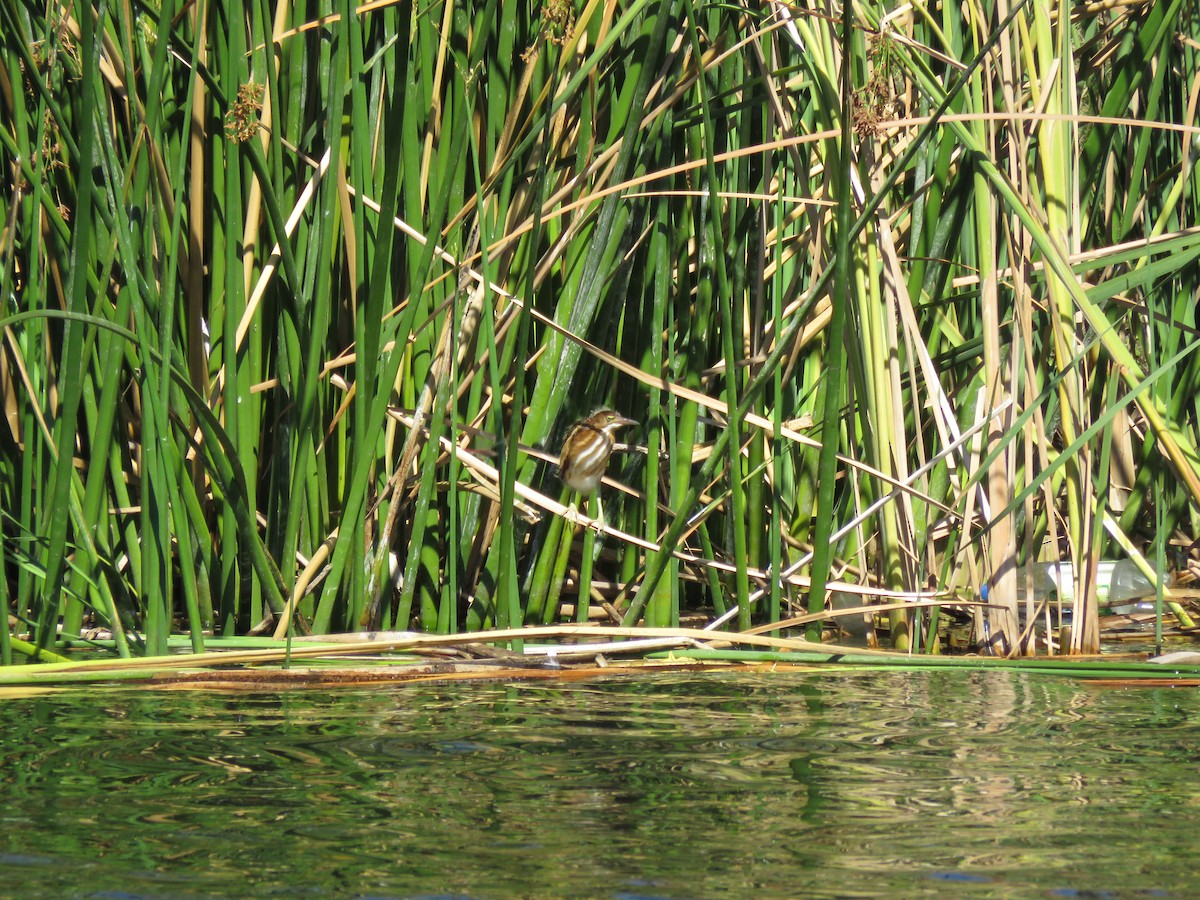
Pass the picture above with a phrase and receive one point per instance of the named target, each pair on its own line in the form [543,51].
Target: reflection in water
[834,784]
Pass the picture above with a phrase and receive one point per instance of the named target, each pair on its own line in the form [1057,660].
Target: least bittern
[586,450]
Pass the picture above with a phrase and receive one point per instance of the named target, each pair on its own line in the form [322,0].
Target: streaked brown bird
[586,450]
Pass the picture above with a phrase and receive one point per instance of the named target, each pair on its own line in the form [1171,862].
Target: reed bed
[554,652]
[298,304]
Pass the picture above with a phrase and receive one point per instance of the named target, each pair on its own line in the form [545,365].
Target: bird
[586,449]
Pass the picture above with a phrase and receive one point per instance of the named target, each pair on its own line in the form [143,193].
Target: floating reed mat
[562,653]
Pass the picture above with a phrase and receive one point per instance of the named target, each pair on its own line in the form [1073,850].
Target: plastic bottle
[1128,583]
[1117,582]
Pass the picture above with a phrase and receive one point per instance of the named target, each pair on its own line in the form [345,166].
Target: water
[985,784]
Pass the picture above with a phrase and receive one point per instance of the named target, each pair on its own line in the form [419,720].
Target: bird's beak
[623,421]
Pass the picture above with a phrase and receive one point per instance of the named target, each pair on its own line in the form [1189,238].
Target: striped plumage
[586,449]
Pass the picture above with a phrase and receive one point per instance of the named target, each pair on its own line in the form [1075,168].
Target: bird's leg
[572,513]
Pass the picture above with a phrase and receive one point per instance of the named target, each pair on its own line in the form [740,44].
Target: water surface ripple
[948,783]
